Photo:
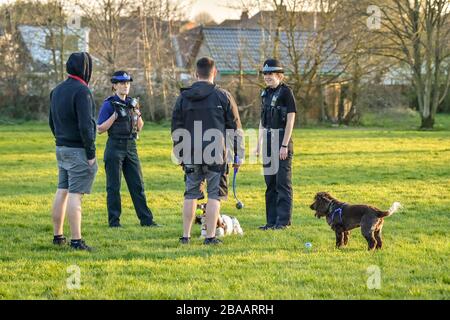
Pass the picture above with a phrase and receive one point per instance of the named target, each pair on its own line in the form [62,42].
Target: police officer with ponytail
[121,117]
[275,130]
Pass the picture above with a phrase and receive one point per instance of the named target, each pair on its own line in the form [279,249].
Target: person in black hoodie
[202,119]
[72,122]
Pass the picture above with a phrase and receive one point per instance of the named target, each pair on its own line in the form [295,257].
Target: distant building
[306,20]
[38,43]
[241,52]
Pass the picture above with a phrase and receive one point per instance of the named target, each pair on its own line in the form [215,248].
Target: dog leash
[239,204]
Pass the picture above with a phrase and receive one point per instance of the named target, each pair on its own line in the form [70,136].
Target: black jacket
[72,108]
[215,108]
[274,110]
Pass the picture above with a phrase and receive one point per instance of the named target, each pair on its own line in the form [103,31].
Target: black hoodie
[213,106]
[72,108]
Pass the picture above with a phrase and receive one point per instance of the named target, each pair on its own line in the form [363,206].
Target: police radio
[134,104]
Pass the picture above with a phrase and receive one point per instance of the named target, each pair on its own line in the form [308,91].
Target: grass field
[375,166]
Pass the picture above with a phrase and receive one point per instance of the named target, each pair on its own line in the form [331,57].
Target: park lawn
[357,165]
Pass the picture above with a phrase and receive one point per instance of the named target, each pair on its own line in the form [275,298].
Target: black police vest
[273,115]
[122,128]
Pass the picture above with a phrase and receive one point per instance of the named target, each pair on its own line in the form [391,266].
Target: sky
[218,9]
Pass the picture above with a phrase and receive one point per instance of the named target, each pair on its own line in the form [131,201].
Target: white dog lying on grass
[226,225]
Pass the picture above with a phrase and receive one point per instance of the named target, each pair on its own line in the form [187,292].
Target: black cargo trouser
[121,156]
[279,194]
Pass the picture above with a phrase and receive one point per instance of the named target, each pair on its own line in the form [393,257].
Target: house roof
[34,38]
[306,20]
[235,49]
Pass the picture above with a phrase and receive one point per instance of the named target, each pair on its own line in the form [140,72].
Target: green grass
[400,118]
[375,166]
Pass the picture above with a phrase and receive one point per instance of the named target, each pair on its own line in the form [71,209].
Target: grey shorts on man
[196,176]
[75,173]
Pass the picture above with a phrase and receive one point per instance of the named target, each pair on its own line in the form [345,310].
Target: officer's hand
[283,153]
[91,162]
[237,162]
[257,151]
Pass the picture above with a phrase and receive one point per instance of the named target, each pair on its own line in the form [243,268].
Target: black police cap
[121,76]
[272,65]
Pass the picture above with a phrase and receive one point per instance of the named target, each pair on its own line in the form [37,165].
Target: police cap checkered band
[121,76]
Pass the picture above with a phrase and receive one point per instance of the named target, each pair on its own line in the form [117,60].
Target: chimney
[244,15]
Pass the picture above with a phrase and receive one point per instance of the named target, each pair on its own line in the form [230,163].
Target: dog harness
[338,210]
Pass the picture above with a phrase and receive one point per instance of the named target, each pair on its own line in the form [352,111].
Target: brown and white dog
[343,217]
[226,225]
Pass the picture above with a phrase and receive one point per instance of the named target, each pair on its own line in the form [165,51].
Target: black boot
[59,240]
[80,245]
[212,241]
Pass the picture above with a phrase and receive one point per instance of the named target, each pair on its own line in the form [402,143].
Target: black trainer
[118,225]
[80,245]
[213,241]
[185,240]
[266,227]
[59,240]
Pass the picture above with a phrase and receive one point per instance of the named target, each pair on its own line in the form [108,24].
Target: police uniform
[276,104]
[121,156]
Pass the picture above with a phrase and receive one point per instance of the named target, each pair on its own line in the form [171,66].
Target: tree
[204,18]
[104,19]
[11,55]
[310,54]
[157,30]
[16,64]
[416,33]
[54,22]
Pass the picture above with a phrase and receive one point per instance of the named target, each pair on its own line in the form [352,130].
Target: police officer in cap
[275,129]
[121,117]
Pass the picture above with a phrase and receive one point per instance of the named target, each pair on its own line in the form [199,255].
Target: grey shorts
[74,171]
[216,183]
